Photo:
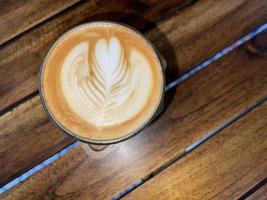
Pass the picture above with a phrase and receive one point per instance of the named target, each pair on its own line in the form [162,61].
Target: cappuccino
[102,81]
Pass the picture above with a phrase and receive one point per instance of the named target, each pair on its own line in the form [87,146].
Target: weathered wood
[222,168]
[191,35]
[20,60]
[16,16]
[201,103]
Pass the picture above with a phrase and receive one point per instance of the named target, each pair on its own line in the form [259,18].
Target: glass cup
[98,145]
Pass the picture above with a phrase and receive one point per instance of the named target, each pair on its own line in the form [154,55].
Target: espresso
[102,81]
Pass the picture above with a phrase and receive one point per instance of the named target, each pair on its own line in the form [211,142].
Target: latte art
[101,81]
[98,80]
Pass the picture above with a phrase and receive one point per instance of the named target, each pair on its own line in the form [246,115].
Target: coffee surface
[102,81]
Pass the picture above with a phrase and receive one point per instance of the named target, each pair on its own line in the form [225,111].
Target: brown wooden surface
[16,16]
[194,33]
[38,134]
[20,60]
[259,194]
[18,128]
[46,140]
[201,103]
[222,168]
[186,32]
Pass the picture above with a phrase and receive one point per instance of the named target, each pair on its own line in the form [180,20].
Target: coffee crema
[102,81]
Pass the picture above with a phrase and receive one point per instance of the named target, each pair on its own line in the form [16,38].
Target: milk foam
[103,83]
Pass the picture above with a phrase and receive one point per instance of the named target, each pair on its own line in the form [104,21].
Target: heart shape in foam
[99,82]
[108,56]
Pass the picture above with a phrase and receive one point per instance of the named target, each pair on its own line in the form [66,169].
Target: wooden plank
[201,103]
[259,194]
[190,36]
[222,168]
[16,16]
[20,59]
[179,56]
[19,150]
[35,124]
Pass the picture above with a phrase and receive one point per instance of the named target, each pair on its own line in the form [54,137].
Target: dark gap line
[189,149]
[159,169]
[253,189]
[179,80]
[25,32]
[17,103]
[6,43]
[215,57]
[169,14]
[225,124]
[77,4]
[38,167]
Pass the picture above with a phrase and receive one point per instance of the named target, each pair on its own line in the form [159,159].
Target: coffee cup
[102,83]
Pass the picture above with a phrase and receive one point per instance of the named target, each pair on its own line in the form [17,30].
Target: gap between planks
[144,29]
[187,27]
[180,79]
[190,148]
[177,156]
[181,59]
[255,188]
[24,29]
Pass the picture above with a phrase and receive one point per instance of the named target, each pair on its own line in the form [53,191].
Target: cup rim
[66,131]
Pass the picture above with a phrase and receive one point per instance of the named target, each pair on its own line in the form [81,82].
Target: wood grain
[19,150]
[16,16]
[20,59]
[201,103]
[34,123]
[175,33]
[222,168]
[190,36]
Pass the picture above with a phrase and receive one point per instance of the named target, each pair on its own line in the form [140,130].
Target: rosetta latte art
[100,81]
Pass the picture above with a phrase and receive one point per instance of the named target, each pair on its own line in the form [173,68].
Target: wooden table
[211,140]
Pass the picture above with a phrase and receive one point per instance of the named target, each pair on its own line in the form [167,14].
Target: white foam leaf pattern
[102,78]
